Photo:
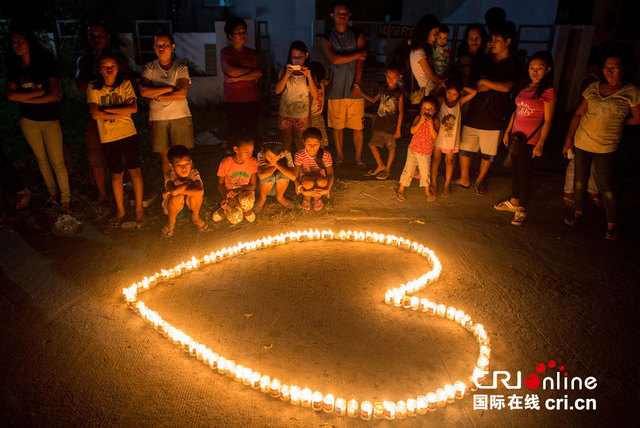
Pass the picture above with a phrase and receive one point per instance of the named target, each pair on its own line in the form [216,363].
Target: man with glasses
[344,46]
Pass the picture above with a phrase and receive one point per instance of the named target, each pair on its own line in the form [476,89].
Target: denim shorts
[276,176]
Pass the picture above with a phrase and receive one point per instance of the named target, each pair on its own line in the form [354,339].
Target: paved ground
[313,313]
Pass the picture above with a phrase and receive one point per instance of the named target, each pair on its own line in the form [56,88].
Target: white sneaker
[518,218]
[506,206]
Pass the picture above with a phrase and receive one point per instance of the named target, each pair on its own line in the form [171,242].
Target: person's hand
[231,79]
[482,86]
[398,134]
[306,72]
[505,139]
[166,194]
[232,194]
[321,192]
[568,145]
[362,55]
[537,151]
[289,70]
[130,101]
[356,91]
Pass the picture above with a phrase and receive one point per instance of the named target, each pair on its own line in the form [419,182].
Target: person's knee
[308,183]
[322,182]
[176,202]
[194,200]
[488,158]
[135,172]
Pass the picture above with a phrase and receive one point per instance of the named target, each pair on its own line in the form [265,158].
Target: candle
[390,410]
[265,383]
[459,316]
[451,393]
[316,401]
[401,409]
[305,397]
[352,408]
[366,410]
[421,405]
[340,406]
[246,376]
[483,363]
[461,388]
[285,393]
[295,394]
[412,404]
[432,401]
[451,313]
[239,371]
[378,410]
[328,403]
[415,302]
[275,388]
[255,380]
[442,397]
[222,365]
[441,310]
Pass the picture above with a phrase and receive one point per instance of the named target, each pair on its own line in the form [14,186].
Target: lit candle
[239,371]
[459,316]
[461,388]
[305,397]
[415,302]
[421,405]
[432,401]
[341,406]
[222,365]
[275,388]
[265,383]
[295,394]
[401,409]
[451,393]
[378,410]
[230,370]
[412,404]
[390,410]
[328,403]
[441,310]
[213,360]
[388,297]
[442,397]
[366,410]
[424,303]
[316,401]
[451,313]
[255,380]
[285,393]
[483,363]
[352,408]
[246,376]
[431,309]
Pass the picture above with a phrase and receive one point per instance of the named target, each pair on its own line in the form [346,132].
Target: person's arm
[81,70]
[296,179]
[484,85]
[251,186]
[549,109]
[470,94]
[265,169]
[634,118]
[130,106]
[222,189]
[372,100]
[417,123]
[336,58]
[13,94]
[286,170]
[398,133]
[284,75]
[505,137]
[50,96]
[235,73]
[313,89]
[190,188]
[330,177]
[179,92]
[573,126]
[147,89]
[434,126]
[355,89]
[429,71]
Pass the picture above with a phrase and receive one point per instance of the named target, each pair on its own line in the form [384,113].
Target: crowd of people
[467,104]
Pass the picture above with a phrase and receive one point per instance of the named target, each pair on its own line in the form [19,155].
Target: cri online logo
[560,381]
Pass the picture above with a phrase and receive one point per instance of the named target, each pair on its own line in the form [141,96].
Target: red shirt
[421,142]
[245,90]
[530,112]
[237,174]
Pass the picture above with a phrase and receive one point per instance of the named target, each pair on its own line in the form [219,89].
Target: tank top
[449,133]
[294,102]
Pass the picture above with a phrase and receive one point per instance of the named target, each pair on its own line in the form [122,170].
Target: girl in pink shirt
[532,118]
[424,129]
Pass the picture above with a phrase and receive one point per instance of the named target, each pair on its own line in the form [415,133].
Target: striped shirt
[308,164]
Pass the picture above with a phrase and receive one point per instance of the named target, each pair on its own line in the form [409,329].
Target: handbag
[517,140]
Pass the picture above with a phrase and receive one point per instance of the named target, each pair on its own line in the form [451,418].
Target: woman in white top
[420,55]
[595,131]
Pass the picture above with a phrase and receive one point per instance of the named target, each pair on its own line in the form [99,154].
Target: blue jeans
[602,168]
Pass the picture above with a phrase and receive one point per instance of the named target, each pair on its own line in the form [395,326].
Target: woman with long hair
[421,55]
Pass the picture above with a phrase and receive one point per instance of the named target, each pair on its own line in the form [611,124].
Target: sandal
[202,227]
[22,199]
[480,189]
[431,197]
[371,173]
[383,175]
[318,205]
[116,221]
[460,185]
[141,221]
[166,232]
[506,206]
[518,218]
[612,234]
[306,205]
[401,196]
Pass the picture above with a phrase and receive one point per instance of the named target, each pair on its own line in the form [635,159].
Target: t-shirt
[530,112]
[342,76]
[467,60]
[317,103]
[237,174]
[600,128]
[414,60]
[308,164]
[118,128]
[33,78]
[245,90]
[387,116]
[194,176]
[294,101]
[159,77]
[441,59]
[489,110]
[421,141]
[287,158]
[450,124]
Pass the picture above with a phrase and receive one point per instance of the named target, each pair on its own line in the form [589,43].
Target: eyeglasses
[611,69]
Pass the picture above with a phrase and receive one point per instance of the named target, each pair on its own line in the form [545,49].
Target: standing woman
[32,81]
[595,131]
[421,56]
[531,121]
[471,50]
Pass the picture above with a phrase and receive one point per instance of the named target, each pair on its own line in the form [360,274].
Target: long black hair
[464,45]
[317,134]
[421,33]
[275,146]
[547,80]
[37,52]
[99,82]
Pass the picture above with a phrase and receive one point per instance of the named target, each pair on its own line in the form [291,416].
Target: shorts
[276,176]
[285,122]
[346,113]
[121,153]
[382,139]
[485,140]
[95,155]
[166,133]
[317,121]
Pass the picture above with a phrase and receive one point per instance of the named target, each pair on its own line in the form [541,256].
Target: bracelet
[355,85]
[298,189]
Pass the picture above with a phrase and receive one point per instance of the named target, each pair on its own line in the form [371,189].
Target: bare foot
[257,207]
[167,231]
[199,223]
[285,203]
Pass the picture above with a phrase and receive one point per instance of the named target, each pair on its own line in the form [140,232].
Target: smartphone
[295,67]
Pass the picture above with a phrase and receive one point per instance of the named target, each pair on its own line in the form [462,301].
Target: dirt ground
[313,313]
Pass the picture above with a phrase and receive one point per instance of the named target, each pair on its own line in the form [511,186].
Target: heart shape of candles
[400,297]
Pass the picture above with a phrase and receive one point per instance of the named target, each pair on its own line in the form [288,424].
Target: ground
[314,314]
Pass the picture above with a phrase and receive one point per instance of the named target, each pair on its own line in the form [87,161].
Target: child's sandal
[318,205]
[306,205]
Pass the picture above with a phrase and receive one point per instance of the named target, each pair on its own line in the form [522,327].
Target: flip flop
[461,185]
[166,232]
[116,221]
[370,173]
[141,221]
[306,205]
[383,175]
[339,162]
[202,227]
[318,205]
[431,198]
[400,196]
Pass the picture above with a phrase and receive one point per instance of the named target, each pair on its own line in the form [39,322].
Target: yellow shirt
[118,128]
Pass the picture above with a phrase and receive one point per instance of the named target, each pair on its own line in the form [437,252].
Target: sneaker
[506,206]
[218,215]
[518,218]
[250,216]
